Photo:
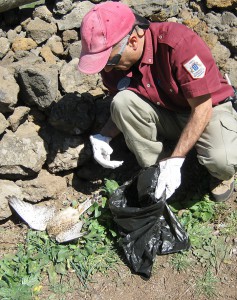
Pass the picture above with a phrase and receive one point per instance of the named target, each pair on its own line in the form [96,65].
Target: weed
[205,285]
[196,212]
[207,223]
[229,226]
[180,261]
[110,187]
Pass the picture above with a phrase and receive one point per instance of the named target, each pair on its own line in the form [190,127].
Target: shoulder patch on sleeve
[195,67]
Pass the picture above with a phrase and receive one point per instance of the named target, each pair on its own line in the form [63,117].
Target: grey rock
[63,7]
[3,123]
[56,45]
[67,152]
[22,154]
[25,58]
[4,46]
[44,186]
[7,188]
[74,18]
[229,37]
[156,10]
[72,80]
[40,31]
[11,35]
[8,59]
[42,12]
[73,114]
[69,36]
[229,18]
[221,54]
[18,117]
[213,20]
[74,49]
[39,84]
[230,68]
[9,90]
[2,33]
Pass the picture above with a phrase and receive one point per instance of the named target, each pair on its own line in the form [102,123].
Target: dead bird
[62,225]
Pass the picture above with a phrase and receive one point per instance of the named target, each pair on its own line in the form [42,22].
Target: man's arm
[200,116]
[110,129]
[170,176]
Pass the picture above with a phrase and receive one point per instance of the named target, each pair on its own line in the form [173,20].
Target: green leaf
[113,233]
[97,212]
[33,267]
[110,186]
[104,200]
[62,255]
[101,250]
[60,268]
[52,275]
[31,280]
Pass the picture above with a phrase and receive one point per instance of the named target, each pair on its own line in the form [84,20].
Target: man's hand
[102,151]
[170,176]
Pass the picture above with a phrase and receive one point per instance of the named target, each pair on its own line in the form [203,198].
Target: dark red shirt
[176,65]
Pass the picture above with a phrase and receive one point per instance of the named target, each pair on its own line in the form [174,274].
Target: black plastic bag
[146,225]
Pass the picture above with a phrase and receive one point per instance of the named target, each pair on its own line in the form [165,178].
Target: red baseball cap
[102,27]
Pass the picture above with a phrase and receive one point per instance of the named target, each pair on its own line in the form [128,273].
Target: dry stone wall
[48,109]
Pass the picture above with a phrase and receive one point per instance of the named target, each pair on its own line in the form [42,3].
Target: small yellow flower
[37,288]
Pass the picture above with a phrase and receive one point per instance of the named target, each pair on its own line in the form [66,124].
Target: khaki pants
[145,126]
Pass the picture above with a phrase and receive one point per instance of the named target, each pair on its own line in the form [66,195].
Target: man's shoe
[221,190]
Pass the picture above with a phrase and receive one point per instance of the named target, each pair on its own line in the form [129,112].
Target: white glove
[170,176]
[102,150]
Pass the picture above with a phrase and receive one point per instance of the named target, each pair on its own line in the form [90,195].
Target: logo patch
[123,83]
[195,67]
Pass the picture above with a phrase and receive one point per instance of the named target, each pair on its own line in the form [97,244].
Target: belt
[228,99]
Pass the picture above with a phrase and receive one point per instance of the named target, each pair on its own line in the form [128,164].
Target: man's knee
[217,164]
[121,102]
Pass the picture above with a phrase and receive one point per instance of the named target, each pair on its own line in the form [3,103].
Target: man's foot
[221,190]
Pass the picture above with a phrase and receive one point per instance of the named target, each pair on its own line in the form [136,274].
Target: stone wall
[48,109]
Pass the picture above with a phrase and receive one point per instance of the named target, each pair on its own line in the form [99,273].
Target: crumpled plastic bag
[146,225]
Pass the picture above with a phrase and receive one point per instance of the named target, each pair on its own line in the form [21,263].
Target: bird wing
[64,220]
[85,205]
[70,234]
[35,216]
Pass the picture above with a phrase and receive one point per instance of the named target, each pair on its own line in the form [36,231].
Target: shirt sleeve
[194,66]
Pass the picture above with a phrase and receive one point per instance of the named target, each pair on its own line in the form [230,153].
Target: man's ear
[133,42]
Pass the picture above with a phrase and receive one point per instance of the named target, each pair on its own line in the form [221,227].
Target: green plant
[229,226]
[199,219]
[21,274]
[206,284]
[181,261]
[110,187]
[198,211]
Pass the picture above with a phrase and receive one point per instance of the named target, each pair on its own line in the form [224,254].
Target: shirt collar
[147,57]
[148,49]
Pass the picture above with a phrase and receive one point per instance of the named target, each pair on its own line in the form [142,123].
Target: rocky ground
[47,111]
[166,282]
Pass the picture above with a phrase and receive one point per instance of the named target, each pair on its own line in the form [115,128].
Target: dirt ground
[165,282]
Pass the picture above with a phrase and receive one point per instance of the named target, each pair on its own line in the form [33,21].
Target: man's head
[104,28]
